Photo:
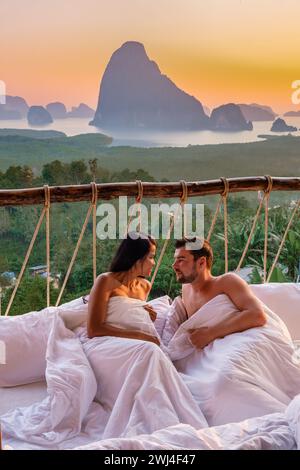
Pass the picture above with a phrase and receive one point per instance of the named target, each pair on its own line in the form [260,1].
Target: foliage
[17,226]
[196,162]
[30,296]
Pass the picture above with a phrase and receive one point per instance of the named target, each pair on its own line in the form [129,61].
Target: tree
[78,172]
[18,176]
[93,168]
[54,173]
[31,296]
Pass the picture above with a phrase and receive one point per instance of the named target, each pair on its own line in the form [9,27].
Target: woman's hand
[151,312]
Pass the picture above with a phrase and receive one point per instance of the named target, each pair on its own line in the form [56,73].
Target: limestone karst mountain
[15,107]
[256,112]
[81,111]
[57,110]
[229,117]
[279,125]
[135,94]
[38,116]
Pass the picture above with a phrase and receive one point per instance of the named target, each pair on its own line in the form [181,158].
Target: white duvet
[111,393]
[240,376]
[135,386]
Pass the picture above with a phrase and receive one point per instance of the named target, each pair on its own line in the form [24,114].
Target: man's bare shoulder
[231,281]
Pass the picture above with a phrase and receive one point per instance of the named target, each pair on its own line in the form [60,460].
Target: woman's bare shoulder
[107,281]
[144,283]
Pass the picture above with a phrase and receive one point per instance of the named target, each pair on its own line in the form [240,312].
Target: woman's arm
[109,330]
[97,310]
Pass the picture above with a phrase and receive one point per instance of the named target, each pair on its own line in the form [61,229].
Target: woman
[110,301]
[138,387]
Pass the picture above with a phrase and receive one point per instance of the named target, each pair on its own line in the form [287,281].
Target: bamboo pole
[58,194]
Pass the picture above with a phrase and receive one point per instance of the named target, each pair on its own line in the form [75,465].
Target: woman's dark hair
[133,248]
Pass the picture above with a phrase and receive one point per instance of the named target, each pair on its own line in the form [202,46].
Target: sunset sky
[220,51]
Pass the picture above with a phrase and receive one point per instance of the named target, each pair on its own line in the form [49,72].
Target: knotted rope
[91,206]
[183,200]
[29,250]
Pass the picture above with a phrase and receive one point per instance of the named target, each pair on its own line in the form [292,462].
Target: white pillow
[74,313]
[176,316]
[25,338]
[161,306]
[283,299]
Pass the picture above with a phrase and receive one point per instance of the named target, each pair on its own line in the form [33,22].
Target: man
[192,266]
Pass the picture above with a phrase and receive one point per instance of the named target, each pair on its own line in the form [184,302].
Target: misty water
[142,138]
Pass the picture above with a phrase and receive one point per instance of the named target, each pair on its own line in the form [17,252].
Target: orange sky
[217,50]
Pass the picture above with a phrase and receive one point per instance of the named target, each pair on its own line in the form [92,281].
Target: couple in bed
[112,380]
[126,286]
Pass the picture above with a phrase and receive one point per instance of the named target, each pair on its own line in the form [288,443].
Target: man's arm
[250,315]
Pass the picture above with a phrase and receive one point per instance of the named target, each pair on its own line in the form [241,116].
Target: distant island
[229,117]
[134,94]
[57,110]
[256,112]
[81,111]
[38,116]
[292,113]
[31,133]
[279,125]
[16,108]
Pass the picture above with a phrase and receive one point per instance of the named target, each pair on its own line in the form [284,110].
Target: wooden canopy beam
[106,191]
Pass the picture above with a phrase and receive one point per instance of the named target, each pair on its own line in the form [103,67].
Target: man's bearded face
[184,266]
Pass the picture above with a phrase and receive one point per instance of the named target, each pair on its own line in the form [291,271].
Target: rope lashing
[267,197]
[140,191]
[184,196]
[47,207]
[94,235]
[183,199]
[251,232]
[77,244]
[28,253]
[283,239]
[138,201]
[214,219]
[224,196]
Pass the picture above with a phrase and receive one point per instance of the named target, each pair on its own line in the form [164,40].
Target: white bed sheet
[22,395]
[63,415]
